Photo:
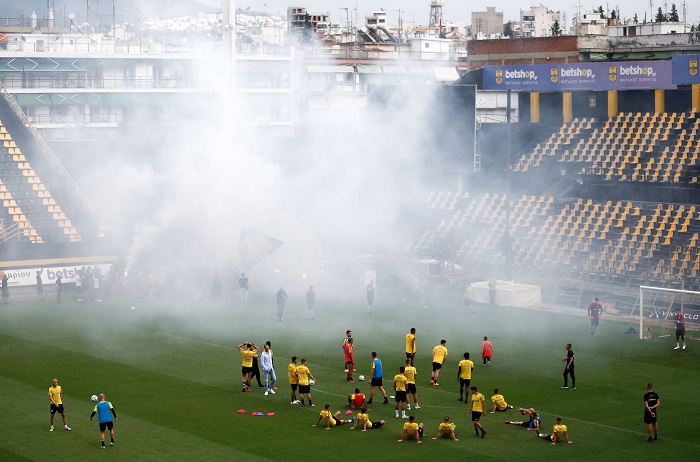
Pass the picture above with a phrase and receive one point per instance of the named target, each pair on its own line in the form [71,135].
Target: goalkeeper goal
[657,305]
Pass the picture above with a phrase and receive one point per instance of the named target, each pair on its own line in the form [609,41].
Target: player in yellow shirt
[558,433]
[499,402]
[439,357]
[56,398]
[363,419]
[464,376]
[412,430]
[331,419]
[446,430]
[293,380]
[411,373]
[411,345]
[477,406]
[303,376]
[248,352]
[400,384]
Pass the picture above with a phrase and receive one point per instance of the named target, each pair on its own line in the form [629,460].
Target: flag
[254,246]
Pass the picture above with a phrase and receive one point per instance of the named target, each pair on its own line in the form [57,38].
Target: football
[311,382]
[93,398]
[362,378]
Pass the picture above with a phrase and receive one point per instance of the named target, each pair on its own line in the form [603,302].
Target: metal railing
[47,150]
[9,232]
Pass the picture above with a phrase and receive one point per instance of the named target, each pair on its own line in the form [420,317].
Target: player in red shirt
[486,351]
[357,400]
[679,321]
[349,350]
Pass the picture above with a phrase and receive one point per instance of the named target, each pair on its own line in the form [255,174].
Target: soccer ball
[311,382]
[93,398]
[133,308]
[362,378]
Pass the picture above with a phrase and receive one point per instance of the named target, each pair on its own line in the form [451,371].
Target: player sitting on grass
[446,430]
[356,400]
[558,433]
[499,402]
[532,424]
[331,419]
[363,419]
[412,430]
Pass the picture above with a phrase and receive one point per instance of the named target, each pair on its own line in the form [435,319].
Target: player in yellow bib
[248,352]
[363,419]
[439,357]
[558,433]
[331,419]
[446,430]
[411,345]
[412,430]
[499,402]
[411,373]
[464,376]
[477,406]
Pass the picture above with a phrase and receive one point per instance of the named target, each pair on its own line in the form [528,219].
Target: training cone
[241,411]
[270,414]
[348,412]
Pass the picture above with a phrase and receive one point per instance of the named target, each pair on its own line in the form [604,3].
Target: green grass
[173,375]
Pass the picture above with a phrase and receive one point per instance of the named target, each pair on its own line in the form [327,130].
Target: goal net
[657,305]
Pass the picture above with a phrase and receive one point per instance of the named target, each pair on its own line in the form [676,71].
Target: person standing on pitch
[595,311]
[411,345]
[439,357]
[679,321]
[56,398]
[411,373]
[39,285]
[348,334]
[464,376]
[651,402]
[281,302]
[486,351]
[105,412]
[59,288]
[243,289]
[370,296]
[493,285]
[303,376]
[268,370]
[5,289]
[349,350]
[569,368]
[248,353]
[310,303]
[477,406]
[400,383]
[376,375]
[293,379]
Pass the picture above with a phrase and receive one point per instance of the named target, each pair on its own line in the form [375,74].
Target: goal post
[657,306]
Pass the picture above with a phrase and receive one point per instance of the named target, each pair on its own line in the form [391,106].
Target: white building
[538,21]
[632,29]
[590,24]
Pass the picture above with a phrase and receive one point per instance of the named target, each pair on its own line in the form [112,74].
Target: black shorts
[595,321]
[464,382]
[648,418]
[409,355]
[349,363]
[400,396]
[525,424]
[304,389]
[411,388]
[501,410]
[56,408]
[377,424]
[548,437]
[680,333]
[106,425]
[437,366]
[376,382]
[246,370]
[294,386]
[476,415]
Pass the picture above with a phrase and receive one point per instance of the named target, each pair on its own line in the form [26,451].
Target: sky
[459,11]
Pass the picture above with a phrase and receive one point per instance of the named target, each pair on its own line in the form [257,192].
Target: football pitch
[171,370]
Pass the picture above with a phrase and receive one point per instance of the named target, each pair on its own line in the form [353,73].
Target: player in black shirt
[595,311]
[651,402]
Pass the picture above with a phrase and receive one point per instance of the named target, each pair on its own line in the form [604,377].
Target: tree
[600,11]
[636,20]
[508,29]
[613,14]
[673,15]
[660,16]
[556,29]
